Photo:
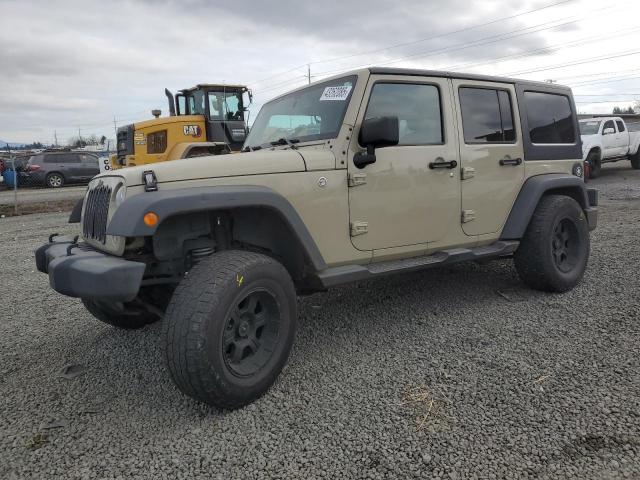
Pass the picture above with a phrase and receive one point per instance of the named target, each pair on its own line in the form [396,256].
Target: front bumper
[78,270]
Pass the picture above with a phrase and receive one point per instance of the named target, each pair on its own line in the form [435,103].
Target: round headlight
[121,194]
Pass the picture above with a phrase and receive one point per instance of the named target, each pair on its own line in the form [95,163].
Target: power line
[607,94]
[571,64]
[485,40]
[558,46]
[604,80]
[432,37]
[480,42]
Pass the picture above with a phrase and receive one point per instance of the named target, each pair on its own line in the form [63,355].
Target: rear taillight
[34,168]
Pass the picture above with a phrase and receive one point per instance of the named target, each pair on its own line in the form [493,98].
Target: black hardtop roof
[214,86]
[464,76]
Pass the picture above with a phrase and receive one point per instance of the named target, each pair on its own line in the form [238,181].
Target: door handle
[510,161]
[440,163]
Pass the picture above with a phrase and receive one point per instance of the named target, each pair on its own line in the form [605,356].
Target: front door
[610,146]
[491,153]
[400,200]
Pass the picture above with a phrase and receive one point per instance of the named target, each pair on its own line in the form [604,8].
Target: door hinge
[355,179]
[467,172]
[468,215]
[359,228]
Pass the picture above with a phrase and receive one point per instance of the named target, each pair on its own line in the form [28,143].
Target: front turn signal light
[151,219]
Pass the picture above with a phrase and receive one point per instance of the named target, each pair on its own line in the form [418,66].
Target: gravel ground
[31,195]
[456,373]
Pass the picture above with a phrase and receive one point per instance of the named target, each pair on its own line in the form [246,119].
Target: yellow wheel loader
[208,119]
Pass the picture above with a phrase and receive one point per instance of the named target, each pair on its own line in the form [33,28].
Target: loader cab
[223,108]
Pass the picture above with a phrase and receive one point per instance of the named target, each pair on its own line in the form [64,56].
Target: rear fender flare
[530,194]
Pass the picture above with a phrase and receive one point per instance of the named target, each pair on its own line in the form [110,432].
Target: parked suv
[374,172]
[55,169]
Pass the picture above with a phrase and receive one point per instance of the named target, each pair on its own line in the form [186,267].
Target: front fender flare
[128,221]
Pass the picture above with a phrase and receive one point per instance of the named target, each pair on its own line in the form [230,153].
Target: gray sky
[78,64]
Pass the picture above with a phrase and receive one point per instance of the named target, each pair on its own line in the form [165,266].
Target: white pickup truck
[608,139]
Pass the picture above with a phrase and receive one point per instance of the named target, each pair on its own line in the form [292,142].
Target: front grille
[96,213]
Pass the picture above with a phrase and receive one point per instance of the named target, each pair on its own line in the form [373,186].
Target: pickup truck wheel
[596,164]
[635,161]
[229,328]
[553,253]
[122,315]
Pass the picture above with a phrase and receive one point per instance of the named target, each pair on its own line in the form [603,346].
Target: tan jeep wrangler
[370,173]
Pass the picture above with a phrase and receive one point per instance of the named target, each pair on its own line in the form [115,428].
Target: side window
[608,124]
[215,110]
[417,108]
[620,124]
[550,118]
[182,105]
[89,160]
[487,116]
[52,158]
[71,158]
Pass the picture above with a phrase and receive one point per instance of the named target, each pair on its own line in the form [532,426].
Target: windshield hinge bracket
[355,179]
[359,228]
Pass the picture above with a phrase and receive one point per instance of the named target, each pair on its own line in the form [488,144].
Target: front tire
[596,164]
[229,328]
[554,251]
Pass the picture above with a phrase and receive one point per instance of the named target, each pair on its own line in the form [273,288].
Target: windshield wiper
[251,148]
[286,141]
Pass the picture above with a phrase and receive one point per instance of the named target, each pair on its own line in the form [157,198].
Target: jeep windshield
[590,127]
[313,113]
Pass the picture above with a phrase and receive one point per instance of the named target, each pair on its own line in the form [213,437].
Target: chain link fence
[45,181]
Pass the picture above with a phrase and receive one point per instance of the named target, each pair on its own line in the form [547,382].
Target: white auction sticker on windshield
[336,93]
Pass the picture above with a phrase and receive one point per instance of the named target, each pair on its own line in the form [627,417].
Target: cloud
[70,64]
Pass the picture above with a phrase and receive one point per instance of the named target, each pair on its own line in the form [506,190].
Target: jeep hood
[230,165]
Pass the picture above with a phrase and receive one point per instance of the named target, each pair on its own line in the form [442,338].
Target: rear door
[400,199]
[491,153]
[89,166]
[623,135]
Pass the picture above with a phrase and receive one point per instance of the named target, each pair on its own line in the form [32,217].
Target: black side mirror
[375,133]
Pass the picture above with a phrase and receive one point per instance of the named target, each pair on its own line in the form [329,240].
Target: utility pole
[309,73]
[115,127]
[55,136]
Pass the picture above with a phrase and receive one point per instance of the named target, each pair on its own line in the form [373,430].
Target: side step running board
[350,273]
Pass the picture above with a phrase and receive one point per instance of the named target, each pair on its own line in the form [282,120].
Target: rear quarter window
[550,118]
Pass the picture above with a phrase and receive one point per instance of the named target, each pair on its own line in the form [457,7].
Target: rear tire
[229,328]
[55,180]
[596,164]
[554,251]
[635,160]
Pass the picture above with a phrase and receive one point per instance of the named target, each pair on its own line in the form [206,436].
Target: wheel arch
[595,149]
[55,172]
[259,216]
[530,194]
